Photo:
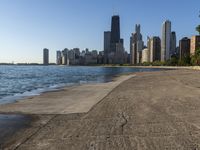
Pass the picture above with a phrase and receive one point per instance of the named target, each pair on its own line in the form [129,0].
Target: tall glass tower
[115,29]
[114,52]
[165,43]
[173,43]
[115,32]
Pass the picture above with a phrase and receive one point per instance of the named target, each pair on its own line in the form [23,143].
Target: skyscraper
[155,48]
[172,43]
[145,55]
[45,56]
[194,44]
[113,44]
[65,57]
[165,43]
[184,46]
[58,58]
[136,45]
[115,33]
[115,30]
[107,36]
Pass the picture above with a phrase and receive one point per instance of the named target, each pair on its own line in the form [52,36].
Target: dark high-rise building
[106,46]
[114,52]
[115,29]
[173,43]
[155,49]
[107,41]
[184,47]
[45,56]
[115,33]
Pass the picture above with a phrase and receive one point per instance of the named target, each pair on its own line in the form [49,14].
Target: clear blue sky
[28,26]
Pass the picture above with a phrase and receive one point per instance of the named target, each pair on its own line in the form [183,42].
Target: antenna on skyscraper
[114,11]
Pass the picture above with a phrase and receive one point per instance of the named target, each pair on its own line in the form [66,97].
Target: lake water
[17,82]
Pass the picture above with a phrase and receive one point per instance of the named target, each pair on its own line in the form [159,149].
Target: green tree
[198,29]
[195,59]
[173,61]
[197,54]
[158,63]
[185,60]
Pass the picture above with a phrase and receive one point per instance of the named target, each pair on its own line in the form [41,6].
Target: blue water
[17,82]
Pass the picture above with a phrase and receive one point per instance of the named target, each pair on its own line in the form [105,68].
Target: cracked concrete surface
[152,111]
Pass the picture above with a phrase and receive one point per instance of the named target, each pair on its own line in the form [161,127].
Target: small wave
[36,92]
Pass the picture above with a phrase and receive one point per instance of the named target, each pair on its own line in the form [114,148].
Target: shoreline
[58,87]
[73,99]
[79,100]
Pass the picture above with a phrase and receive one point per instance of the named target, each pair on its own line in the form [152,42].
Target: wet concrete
[10,124]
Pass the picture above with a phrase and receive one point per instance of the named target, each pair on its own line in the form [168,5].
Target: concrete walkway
[152,111]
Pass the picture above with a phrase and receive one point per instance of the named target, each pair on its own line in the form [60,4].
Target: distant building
[71,56]
[77,55]
[126,58]
[100,57]
[86,50]
[58,58]
[82,54]
[145,55]
[194,44]
[85,57]
[184,48]
[173,43]
[178,51]
[45,56]
[136,46]
[115,33]
[140,46]
[65,57]
[155,49]
[119,55]
[91,57]
[107,36]
[94,53]
[165,42]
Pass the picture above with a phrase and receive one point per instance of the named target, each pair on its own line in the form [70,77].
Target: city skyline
[28,27]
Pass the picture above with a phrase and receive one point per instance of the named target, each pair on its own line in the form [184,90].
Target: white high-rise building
[165,42]
[145,55]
